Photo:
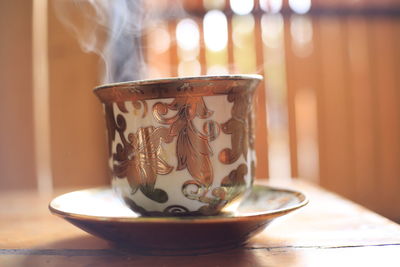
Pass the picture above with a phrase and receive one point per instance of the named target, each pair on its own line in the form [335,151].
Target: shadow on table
[88,250]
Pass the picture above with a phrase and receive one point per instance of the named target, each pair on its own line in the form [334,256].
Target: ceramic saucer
[98,212]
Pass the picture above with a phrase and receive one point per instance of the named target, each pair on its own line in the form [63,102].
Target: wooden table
[330,231]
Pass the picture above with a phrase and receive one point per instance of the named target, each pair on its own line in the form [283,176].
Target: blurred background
[328,110]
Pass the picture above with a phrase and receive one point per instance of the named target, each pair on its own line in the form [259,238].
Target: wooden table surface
[330,231]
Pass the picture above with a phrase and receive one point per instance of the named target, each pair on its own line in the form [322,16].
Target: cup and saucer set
[182,158]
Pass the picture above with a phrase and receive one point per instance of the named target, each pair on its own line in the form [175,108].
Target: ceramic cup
[181,146]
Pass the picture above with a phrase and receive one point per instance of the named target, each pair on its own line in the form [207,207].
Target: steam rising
[112,29]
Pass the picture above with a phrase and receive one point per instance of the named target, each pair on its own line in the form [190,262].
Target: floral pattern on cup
[138,156]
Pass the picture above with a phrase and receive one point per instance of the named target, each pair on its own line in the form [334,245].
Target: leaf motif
[211,129]
[122,107]
[162,167]
[147,169]
[159,110]
[192,146]
[201,110]
[136,104]
[199,166]
[138,158]
[133,176]
[177,103]
[238,126]
[232,185]
[198,144]
[235,177]
[177,127]
[239,141]
[161,134]
[110,124]
[181,150]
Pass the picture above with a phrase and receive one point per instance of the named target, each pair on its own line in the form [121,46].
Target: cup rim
[179,79]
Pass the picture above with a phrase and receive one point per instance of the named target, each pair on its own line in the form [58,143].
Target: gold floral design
[238,126]
[234,184]
[232,187]
[193,153]
[137,105]
[186,121]
[192,146]
[138,157]
[110,117]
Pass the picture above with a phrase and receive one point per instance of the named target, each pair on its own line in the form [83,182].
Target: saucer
[98,212]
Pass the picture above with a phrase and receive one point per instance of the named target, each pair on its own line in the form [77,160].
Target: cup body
[181,146]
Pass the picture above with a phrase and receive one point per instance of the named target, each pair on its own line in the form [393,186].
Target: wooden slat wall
[359,110]
[202,47]
[260,108]
[386,82]
[17,161]
[303,80]
[79,152]
[274,72]
[335,125]
[363,111]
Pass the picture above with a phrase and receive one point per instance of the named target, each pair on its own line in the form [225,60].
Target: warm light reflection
[307,135]
[189,68]
[244,43]
[242,7]
[300,6]
[243,26]
[187,34]
[301,31]
[159,39]
[87,202]
[213,4]
[272,26]
[158,44]
[41,91]
[271,6]
[215,30]
[272,30]
[217,70]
